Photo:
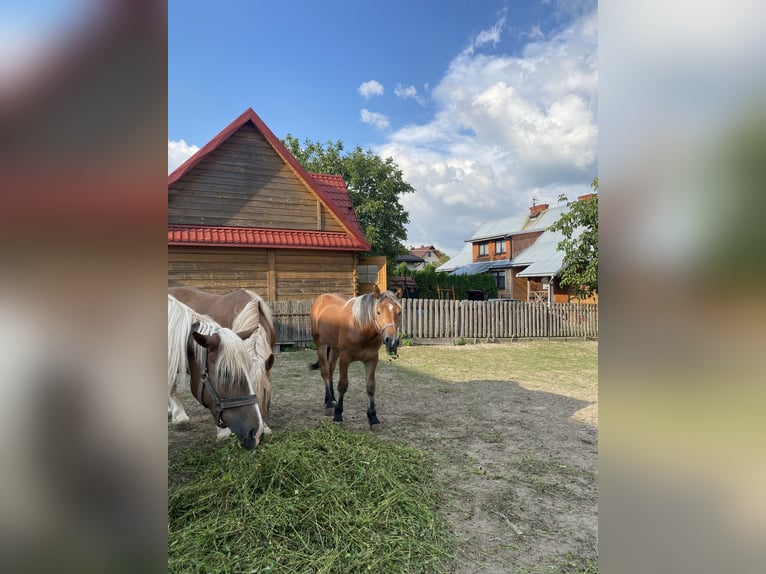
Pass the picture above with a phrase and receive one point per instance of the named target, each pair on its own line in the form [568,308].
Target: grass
[560,367]
[320,501]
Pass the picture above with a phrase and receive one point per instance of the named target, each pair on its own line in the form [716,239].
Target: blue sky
[484,105]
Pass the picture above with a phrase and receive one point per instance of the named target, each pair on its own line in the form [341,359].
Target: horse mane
[235,361]
[363,307]
[256,312]
[258,352]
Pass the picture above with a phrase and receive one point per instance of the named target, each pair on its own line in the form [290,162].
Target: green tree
[375,186]
[579,226]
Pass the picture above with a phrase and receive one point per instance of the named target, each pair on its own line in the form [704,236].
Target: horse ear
[244,335]
[376,292]
[203,340]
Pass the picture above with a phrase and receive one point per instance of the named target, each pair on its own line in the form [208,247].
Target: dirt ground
[518,464]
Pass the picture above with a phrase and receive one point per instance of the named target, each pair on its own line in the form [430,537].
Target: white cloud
[507,128]
[178,152]
[489,36]
[374,119]
[405,92]
[371,88]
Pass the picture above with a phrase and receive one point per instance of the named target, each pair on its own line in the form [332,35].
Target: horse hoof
[181,424]
[337,419]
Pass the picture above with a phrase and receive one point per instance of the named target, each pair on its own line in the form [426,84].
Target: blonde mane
[363,307]
[256,312]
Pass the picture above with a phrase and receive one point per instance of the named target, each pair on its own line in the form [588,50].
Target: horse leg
[176,410]
[369,369]
[326,368]
[332,359]
[342,386]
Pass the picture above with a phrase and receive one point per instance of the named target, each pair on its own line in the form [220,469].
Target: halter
[220,404]
[384,327]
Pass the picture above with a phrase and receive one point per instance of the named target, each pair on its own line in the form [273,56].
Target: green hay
[317,501]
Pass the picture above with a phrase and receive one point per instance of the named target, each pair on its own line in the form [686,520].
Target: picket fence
[433,319]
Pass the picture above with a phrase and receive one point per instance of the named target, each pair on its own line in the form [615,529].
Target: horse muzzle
[391,343]
[251,439]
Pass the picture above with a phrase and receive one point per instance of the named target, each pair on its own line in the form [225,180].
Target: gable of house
[246,178]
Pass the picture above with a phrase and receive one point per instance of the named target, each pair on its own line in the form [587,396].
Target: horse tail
[315,366]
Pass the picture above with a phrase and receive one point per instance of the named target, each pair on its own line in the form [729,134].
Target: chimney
[535,210]
[586,197]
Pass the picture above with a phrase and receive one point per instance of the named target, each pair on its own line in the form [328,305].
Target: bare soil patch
[512,427]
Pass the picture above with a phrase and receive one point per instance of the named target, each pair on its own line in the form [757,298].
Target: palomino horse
[239,310]
[349,330]
[224,378]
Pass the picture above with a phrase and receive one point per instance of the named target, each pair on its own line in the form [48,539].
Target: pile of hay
[324,500]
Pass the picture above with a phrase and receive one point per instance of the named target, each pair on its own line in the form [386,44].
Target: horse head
[226,386]
[388,316]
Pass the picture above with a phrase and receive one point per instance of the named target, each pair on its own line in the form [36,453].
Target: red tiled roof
[423,249]
[201,235]
[327,188]
[335,188]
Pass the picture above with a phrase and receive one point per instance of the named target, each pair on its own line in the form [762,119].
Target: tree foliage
[375,186]
[580,250]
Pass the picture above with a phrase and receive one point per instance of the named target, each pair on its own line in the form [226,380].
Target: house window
[500,246]
[483,249]
[367,273]
[499,279]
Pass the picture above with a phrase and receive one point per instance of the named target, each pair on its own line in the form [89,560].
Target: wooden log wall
[218,269]
[275,274]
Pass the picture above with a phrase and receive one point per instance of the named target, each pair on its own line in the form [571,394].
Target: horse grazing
[349,330]
[239,310]
[223,376]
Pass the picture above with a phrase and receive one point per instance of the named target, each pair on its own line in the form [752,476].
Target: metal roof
[500,227]
[546,218]
[543,257]
[464,257]
[473,268]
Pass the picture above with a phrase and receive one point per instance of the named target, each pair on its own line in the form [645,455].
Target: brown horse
[349,330]
[223,376]
[239,310]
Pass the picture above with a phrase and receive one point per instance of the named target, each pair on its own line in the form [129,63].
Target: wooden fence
[469,320]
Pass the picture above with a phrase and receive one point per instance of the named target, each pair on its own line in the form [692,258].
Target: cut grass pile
[323,500]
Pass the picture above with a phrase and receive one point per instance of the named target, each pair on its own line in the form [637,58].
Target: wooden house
[243,213]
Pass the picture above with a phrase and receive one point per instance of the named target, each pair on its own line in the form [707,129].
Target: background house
[428,253]
[243,213]
[413,262]
[520,253]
